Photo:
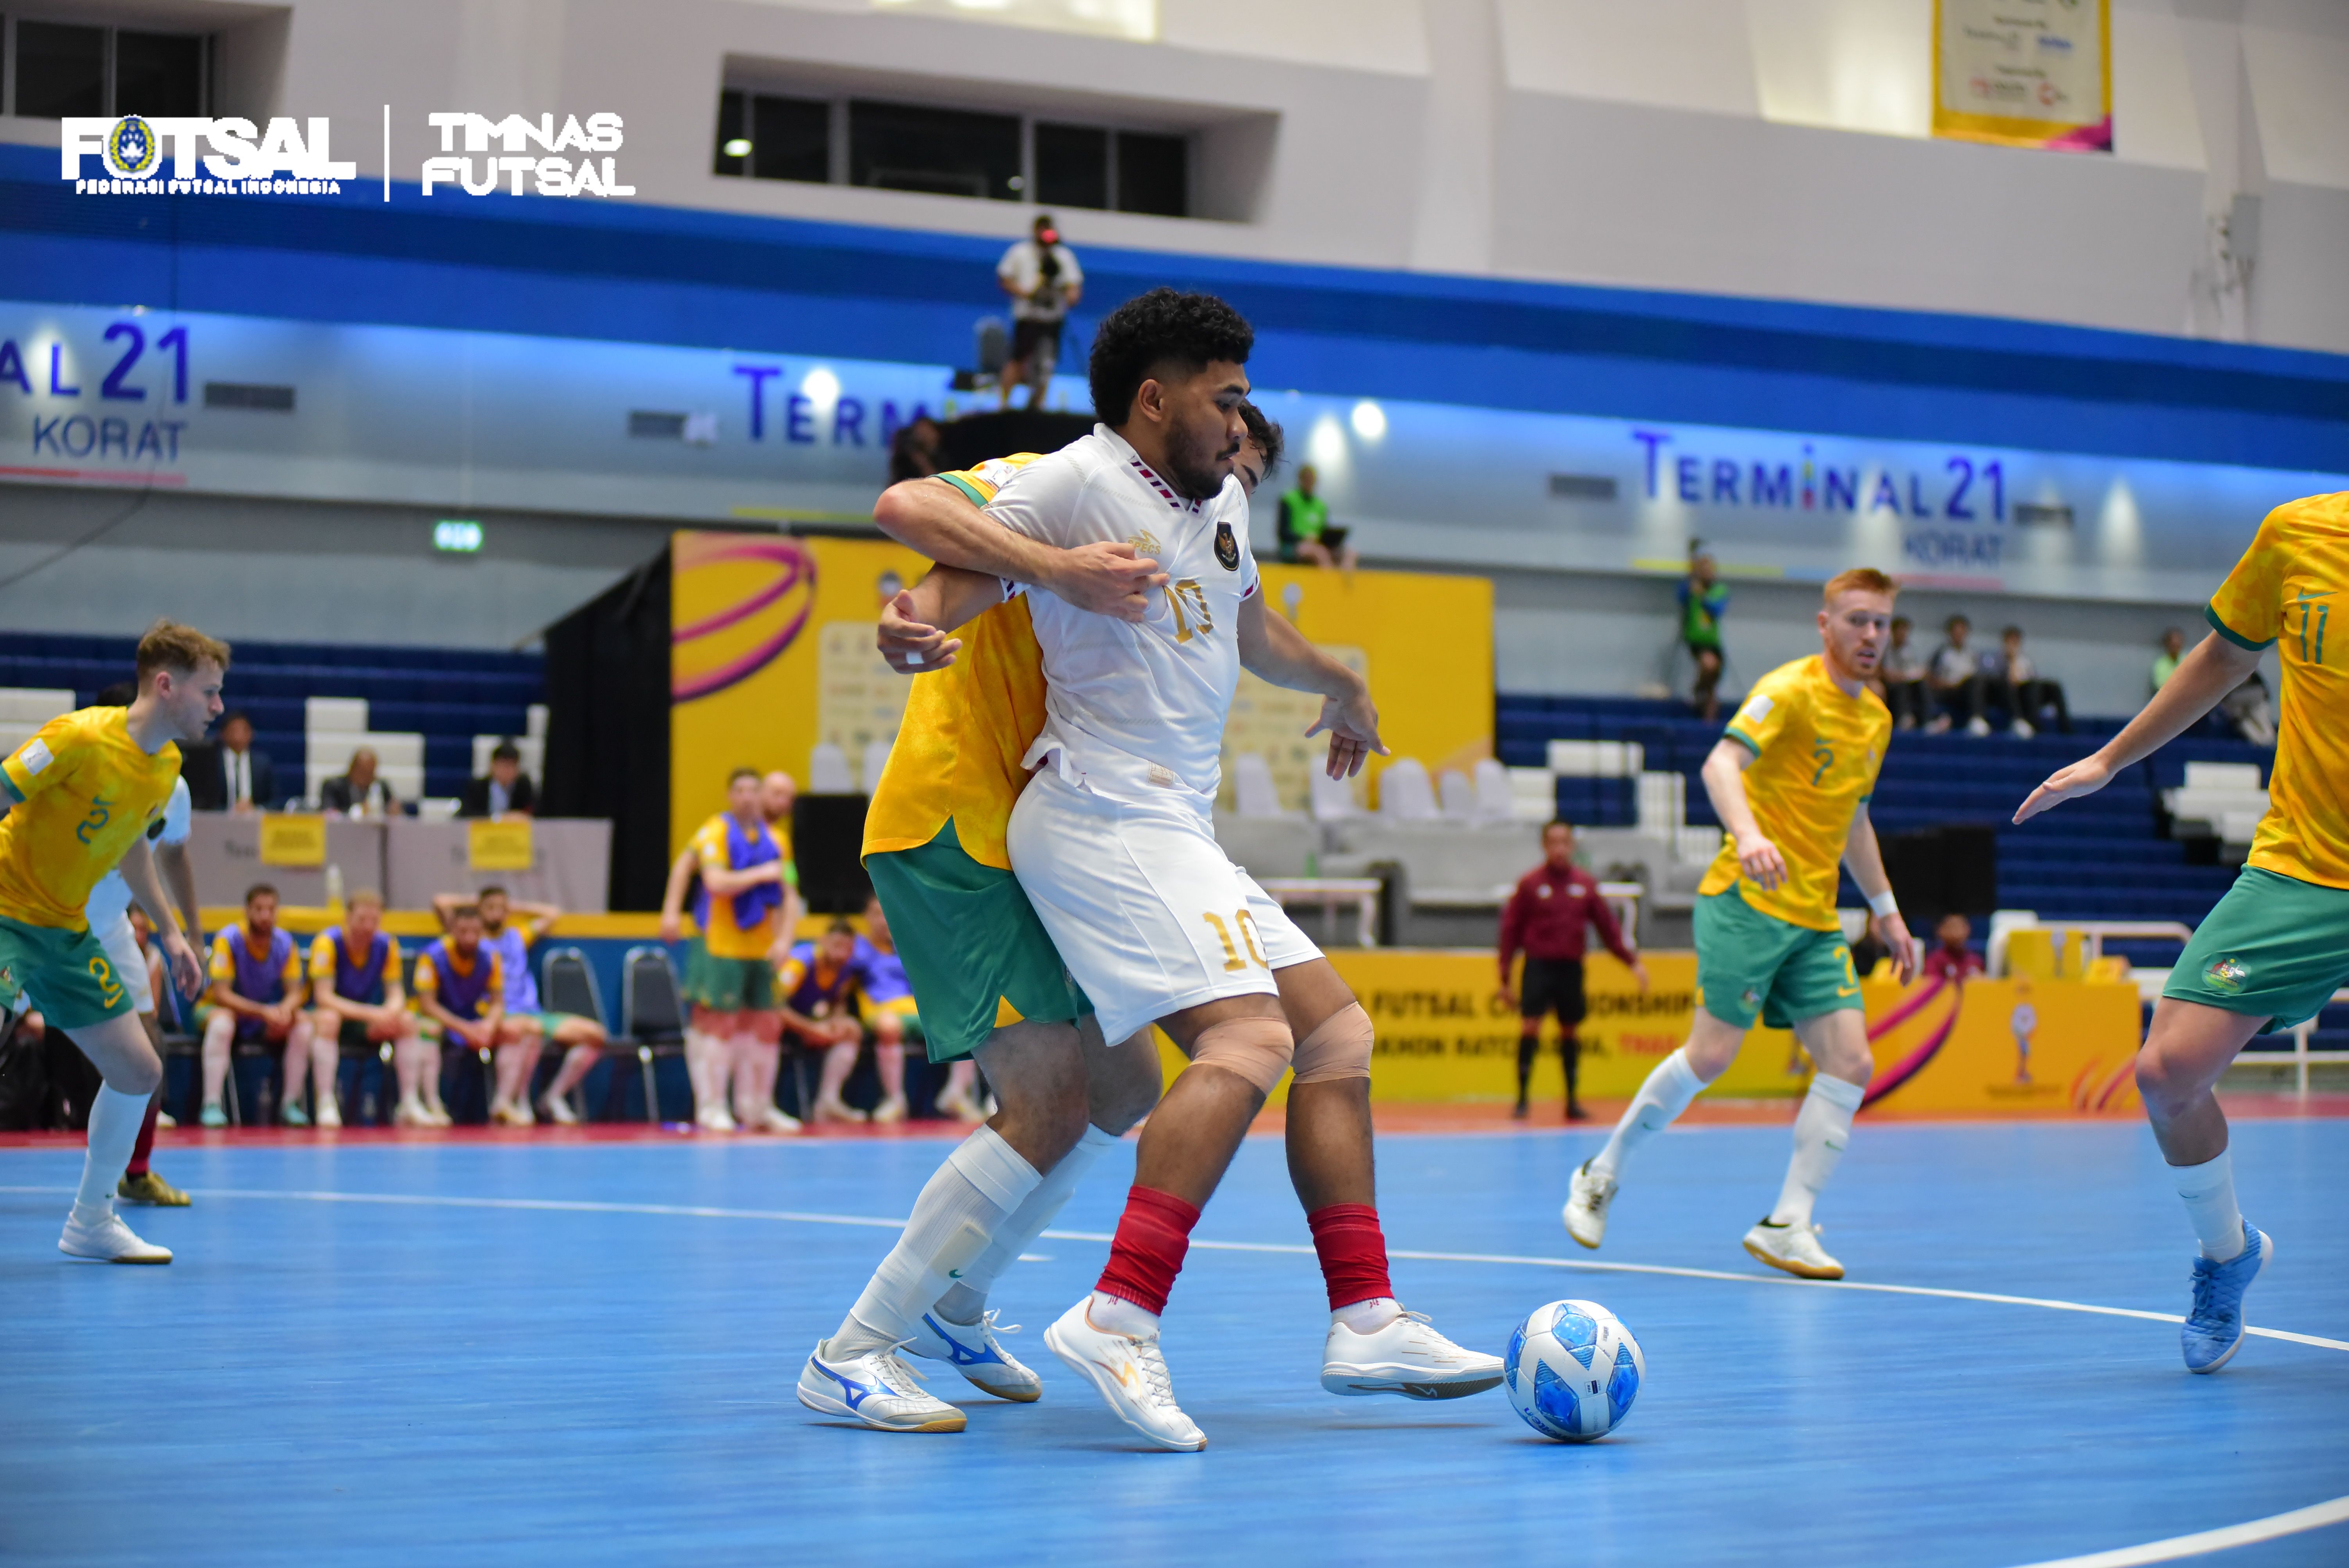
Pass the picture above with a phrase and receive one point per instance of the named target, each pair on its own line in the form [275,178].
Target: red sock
[1152,1237]
[146,1144]
[1353,1253]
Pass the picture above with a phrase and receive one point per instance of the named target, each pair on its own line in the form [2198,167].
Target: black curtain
[607,697]
[975,437]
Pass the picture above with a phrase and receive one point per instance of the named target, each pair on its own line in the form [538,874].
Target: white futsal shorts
[1148,913]
[121,946]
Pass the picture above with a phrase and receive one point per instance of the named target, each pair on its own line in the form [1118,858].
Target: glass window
[60,70]
[733,153]
[948,152]
[790,139]
[1071,165]
[158,74]
[1152,175]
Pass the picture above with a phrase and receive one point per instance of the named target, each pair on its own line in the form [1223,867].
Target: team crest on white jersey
[1227,548]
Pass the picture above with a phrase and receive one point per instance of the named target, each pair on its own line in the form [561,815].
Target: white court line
[2315,1516]
[790,1216]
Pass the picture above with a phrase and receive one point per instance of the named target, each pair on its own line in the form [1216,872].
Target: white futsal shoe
[772,1118]
[1793,1248]
[1131,1374]
[554,1108]
[714,1119]
[1405,1357]
[109,1241]
[1586,1206]
[878,1389]
[973,1351]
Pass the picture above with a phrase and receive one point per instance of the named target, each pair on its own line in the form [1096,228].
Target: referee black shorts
[1552,985]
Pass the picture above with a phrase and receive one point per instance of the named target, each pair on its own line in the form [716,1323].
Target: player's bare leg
[1786,1239]
[762,1059]
[583,1041]
[131,1072]
[1666,1092]
[839,1061]
[706,1065]
[889,1062]
[220,1038]
[514,1061]
[139,1184]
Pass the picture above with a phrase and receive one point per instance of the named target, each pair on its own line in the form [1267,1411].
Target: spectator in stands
[1549,915]
[1306,535]
[2165,663]
[817,989]
[1043,279]
[2028,698]
[358,1004]
[256,995]
[358,790]
[504,791]
[1902,670]
[508,929]
[2250,710]
[1959,680]
[230,775]
[914,450]
[1955,958]
[461,990]
[1702,599]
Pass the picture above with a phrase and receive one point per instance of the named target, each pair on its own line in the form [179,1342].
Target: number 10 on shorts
[1232,962]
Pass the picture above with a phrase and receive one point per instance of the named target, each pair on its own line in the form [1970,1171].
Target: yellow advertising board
[293,838]
[772,653]
[1992,1046]
[500,844]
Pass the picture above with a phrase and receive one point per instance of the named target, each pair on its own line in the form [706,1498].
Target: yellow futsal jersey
[967,727]
[81,792]
[1815,757]
[2281,592]
[720,937]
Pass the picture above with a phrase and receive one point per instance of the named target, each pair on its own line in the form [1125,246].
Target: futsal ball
[1573,1370]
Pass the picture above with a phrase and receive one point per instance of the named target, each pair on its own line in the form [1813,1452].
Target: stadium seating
[449,696]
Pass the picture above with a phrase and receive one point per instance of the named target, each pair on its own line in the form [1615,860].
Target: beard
[1194,465]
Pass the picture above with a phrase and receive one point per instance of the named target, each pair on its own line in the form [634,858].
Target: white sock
[967,1300]
[1660,1100]
[114,1119]
[1119,1315]
[982,1183]
[1822,1128]
[2209,1189]
[1369,1317]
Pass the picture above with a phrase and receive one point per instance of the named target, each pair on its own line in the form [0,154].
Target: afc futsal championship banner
[1984,1048]
[771,655]
[2027,73]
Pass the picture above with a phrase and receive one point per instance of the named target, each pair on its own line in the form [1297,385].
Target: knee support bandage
[1338,1047]
[1255,1050]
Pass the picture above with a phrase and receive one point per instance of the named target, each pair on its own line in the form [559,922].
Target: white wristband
[1884,903]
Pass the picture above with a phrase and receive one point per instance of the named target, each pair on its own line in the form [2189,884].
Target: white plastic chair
[1404,793]
[876,757]
[1252,788]
[1457,795]
[828,771]
[1330,799]
[1495,796]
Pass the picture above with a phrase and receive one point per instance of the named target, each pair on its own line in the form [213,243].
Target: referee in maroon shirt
[1547,916]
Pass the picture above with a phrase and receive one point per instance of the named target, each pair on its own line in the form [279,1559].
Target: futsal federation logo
[131,149]
[1228,548]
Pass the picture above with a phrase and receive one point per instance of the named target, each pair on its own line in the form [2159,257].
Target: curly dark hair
[1192,330]
[1268,436]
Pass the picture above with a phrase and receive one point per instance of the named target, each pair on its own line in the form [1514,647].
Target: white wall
[1736,147]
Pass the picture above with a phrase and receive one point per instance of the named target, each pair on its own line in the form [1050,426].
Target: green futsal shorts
[974,951]
[68,973]
[728,984]
[2274,948]
[1751,965]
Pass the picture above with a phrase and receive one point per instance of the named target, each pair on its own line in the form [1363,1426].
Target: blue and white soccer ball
[1572,1370]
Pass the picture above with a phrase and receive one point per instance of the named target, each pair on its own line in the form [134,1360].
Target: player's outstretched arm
[932,516]
[1866,858]
[179,874]
[2214,668]
[1273,650]
[1725,784]
[147,887]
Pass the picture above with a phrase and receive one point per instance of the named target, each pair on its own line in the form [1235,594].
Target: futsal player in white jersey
[1112,839]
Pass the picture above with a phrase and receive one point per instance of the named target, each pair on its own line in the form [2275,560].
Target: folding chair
[653,1013]
[567,984]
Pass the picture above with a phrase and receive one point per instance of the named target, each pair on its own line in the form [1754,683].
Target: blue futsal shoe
[973,1351]
[2214,1329]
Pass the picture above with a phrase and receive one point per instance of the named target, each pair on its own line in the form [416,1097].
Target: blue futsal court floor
[584,1352]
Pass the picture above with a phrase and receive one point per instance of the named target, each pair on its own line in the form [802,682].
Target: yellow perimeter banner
[772,653]
[1990,1047]
[2024,73]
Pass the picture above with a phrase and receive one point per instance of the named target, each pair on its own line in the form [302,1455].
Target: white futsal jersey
[1114,843]
[1136,708]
